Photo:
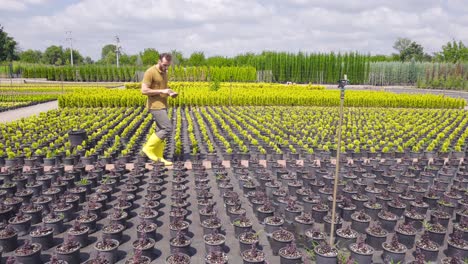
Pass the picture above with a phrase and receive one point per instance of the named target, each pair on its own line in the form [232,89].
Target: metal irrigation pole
[230,92]
[341,84]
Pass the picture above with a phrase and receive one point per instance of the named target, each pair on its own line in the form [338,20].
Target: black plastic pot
[454,250]
[72,257]
[361,258]
[46,240]
[322,259]
[407,240]
[429,255]
[108,254]
[375,241]
[76,137]
[148,252]
[396,257]
[22,228]
[33,258]
[9,243]
[284,259]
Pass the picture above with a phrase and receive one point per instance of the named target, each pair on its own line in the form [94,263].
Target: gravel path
[19,113]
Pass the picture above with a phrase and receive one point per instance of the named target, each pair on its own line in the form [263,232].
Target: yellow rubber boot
[160,153]
[150,147]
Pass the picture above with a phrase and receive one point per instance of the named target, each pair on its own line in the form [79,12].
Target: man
[154,86]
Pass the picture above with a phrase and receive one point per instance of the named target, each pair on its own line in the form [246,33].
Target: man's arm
[145,90]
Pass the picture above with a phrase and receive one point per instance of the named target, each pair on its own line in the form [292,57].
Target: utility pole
[117,49]
[69,33]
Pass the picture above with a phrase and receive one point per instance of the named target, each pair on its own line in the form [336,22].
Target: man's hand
[172,93]
[165,91]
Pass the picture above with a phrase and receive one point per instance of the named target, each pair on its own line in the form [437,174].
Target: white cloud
[229,27]
[18,5]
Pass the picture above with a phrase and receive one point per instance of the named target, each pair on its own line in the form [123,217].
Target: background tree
[106,49]
[77,57]
[402,44]
[413,51]
[8,47]
[88,60]
[453,52]
[53,55]
[410,50]
[30,56]
[110,58]
[149,56]
[177,57]
[128,59]
[197,58]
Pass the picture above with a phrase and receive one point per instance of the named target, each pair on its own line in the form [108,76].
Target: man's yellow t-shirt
[156,80]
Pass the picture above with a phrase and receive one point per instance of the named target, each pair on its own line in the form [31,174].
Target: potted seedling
[436,231]
[303,222]
[145,245]
[280,238]
[319,211]
[79,233]
[178,258]
[265,210]
[462,226]
[214,241]
[8,238]
[88,219]
[406,234]
[27,193]
[55,260]
[6,211]
[69,251]
[242,224]
[61,207]
[211,225]
[376,235]
[178,225]
[413,217]
[338,222]
[292,210]
[388,220]
[345,236]
[324,253]
[457,246]
[346,209]
[360,221]
[253,256]
[148,215]
[33,210]
[216,257]
[290,254]
[247,239]
[442,217]
[314,236]
[54,221]
[180,243]
[118,216]
[29,253]
[393,251]
[428,248]
[113,231]
[43,235]
[107,249]
[138,259]
[21,223]
[14,202]
[361,252]
[273,223]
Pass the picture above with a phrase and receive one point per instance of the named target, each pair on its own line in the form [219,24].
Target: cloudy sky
[228,27]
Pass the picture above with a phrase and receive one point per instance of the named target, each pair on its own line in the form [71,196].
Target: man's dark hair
[167,56]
